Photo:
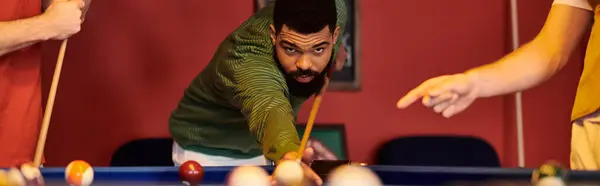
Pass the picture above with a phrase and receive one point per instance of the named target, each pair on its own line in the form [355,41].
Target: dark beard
[304,89]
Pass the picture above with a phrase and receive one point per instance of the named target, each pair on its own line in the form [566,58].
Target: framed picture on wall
[347,76]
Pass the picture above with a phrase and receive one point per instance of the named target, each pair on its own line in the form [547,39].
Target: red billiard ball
[191,172]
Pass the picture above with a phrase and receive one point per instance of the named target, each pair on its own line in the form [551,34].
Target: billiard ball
[352,175]
[551,181]
[14,177]
[191,172]
[32,174]
[3,178]
[548,170]
[79,173]
[248,176]
[288,172]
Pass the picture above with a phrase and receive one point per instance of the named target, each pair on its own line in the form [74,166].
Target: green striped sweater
[239,106]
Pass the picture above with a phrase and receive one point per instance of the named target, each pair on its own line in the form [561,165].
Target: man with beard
[241,109]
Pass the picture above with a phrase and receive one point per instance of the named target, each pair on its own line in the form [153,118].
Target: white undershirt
[584,4]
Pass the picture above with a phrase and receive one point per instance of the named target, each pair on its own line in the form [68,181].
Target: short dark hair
[305,16]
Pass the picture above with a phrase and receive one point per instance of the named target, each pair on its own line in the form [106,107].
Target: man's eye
[319,50]
[290,50]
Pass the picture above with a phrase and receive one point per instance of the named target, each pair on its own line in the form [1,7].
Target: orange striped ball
[79,173]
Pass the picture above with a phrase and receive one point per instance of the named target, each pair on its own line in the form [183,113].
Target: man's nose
[303,63]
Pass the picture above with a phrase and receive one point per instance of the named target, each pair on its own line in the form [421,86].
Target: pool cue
[313,115]
[39,151]
[514,20]
[310,123]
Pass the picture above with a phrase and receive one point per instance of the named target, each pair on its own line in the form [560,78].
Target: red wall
[125,72]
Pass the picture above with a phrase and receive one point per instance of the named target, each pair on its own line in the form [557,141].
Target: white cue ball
[289,172]
[352,175]
[248,176]
[14,177]
[551,181]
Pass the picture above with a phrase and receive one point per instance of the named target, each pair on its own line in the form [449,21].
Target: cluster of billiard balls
[287,173]
[26,174]
[77,173]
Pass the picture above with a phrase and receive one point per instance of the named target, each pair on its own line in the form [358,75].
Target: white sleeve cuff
[583,4]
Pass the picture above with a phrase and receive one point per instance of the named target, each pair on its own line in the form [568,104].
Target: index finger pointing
[418,92]
[410,97]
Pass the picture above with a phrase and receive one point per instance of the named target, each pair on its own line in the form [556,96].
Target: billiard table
[390,175]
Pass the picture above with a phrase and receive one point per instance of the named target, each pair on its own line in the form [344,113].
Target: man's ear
[336,34]
[273,34]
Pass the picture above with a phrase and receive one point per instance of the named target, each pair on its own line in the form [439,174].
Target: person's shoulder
[251,37]
[248,47]
[341,5]
[583,4]
[342,9]
[258,23]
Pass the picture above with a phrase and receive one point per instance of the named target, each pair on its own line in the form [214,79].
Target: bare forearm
[18,34]
[522,69]
[538,60]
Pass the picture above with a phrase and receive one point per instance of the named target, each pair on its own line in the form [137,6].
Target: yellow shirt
[587,99]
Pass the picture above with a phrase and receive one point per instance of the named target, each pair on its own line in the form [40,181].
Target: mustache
[301,72]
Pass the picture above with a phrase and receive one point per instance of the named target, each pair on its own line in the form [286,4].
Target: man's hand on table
[340,58]
[309,174]
[321,152]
